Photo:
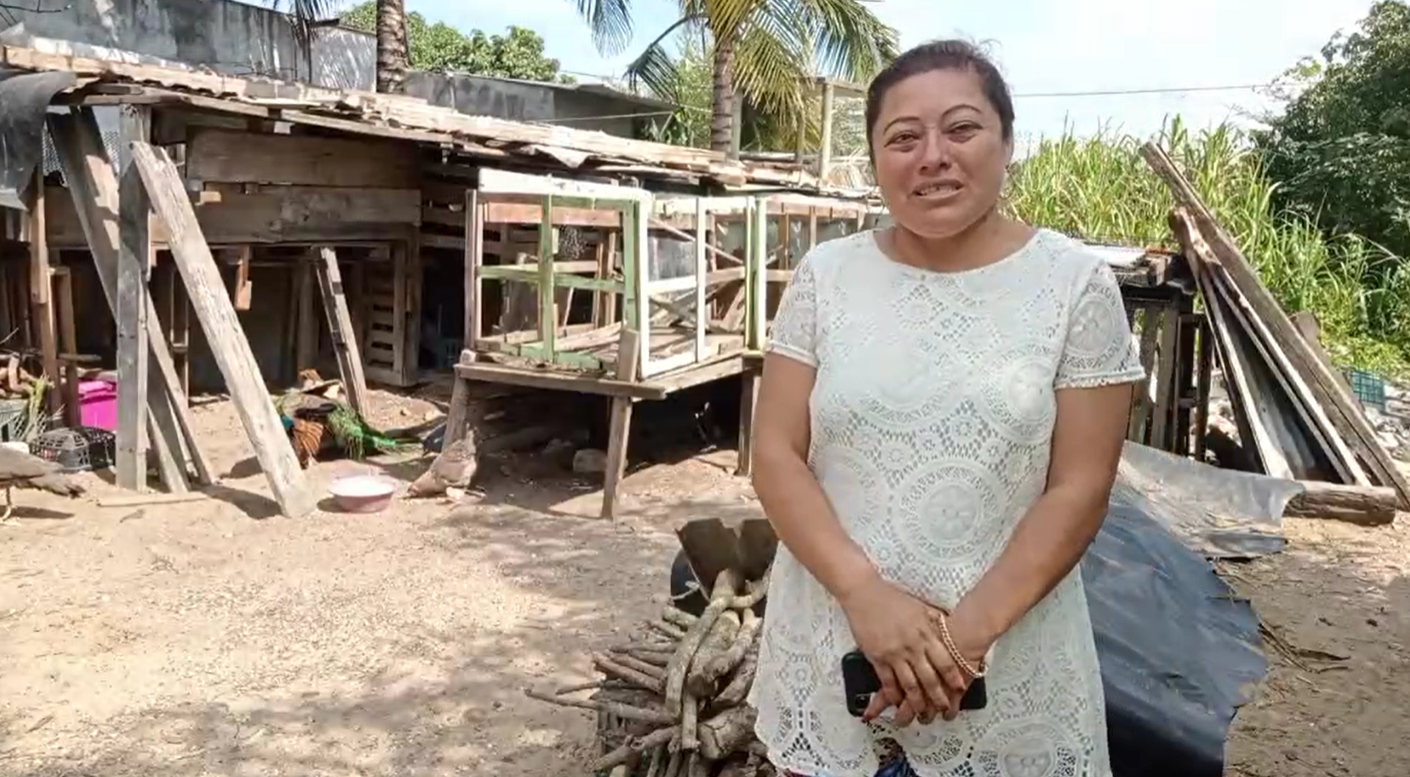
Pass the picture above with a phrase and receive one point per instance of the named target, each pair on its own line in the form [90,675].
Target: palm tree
[761,48]
[391,35]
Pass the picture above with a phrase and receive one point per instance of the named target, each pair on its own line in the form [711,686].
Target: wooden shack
[378,236]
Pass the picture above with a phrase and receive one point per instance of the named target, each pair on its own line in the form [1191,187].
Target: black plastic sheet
[1178,650]
[24,99]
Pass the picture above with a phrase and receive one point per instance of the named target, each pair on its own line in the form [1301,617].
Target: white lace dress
[932,418]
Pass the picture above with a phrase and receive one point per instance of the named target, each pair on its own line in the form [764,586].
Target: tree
[761,48]
[441,48]
[1340,151]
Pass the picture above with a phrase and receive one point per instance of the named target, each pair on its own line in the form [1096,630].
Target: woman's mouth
[937,190]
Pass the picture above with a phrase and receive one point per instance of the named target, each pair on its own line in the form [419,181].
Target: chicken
[453,467]
[20,469]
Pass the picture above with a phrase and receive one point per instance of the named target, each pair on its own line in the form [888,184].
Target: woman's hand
[971,641]
[897,633]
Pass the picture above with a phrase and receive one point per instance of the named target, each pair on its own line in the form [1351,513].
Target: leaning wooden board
[231,350]
[1341,409]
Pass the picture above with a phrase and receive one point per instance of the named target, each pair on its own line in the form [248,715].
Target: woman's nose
[934,153]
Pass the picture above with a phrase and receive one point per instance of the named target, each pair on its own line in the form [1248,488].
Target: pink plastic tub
[97,400]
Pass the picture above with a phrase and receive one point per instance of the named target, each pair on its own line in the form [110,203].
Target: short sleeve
[795,325]
[1098,349]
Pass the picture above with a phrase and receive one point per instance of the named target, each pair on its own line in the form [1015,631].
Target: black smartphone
[859,682]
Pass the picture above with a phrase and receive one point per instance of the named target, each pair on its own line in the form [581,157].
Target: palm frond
[851,41]
[656,68]
[610,22]
[768,62]
[727,18]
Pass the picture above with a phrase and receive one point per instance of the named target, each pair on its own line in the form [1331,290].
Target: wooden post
[702,317]
[474,255]
[241,294]
[1203,375]
[306,341]
[222,328]
[748,398]
[39,288]
[94,188]
[340,331]
[458,413]
[636,311]
[68,343]
[1165,381]
[134,262]
[548,318]
[825,145]
[620,422]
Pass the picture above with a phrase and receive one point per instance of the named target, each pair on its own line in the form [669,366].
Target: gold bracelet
[960,661]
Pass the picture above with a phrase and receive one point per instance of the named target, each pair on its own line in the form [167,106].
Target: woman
[939,425]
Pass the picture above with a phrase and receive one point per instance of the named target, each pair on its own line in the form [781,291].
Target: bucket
[97,401]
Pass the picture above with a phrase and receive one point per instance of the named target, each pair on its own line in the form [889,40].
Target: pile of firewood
[672,702]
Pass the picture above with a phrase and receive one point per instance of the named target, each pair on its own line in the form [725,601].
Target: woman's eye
[964,130]
[903,137]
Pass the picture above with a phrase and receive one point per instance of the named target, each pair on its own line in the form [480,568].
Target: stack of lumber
[672,700]
[1297,418]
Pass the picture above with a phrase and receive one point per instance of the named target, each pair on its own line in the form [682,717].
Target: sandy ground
[215,638]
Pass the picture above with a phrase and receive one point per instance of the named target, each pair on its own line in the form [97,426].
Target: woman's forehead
[933,94]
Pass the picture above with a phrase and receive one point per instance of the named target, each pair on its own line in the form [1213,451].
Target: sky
[1041,46]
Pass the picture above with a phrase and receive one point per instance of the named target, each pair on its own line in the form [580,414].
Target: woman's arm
[800,513]
[1051,538]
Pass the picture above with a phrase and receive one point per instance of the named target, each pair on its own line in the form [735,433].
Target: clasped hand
[900,634]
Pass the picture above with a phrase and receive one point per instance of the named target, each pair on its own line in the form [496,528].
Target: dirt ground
[215,638]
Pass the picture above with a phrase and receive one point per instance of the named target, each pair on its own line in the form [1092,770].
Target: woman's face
[940,152]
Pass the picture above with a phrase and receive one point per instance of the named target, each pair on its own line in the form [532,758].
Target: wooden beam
[306,339]
[1341,410]
[620,422]
[94,187]
[214,154]
[134,261]
[1364,505]
[241,294]
[227,341]
[825,146]
[340,331]
[474,256]
[39,289]
[555,380]
[492,180]
[274,214]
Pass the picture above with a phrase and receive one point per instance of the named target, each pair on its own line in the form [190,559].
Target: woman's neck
[987,240]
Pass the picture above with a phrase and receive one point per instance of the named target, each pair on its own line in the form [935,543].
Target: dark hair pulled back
[942,55]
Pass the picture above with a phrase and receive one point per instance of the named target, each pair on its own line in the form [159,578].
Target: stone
[590,461]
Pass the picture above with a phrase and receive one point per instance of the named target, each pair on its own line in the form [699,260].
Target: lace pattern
[932,416]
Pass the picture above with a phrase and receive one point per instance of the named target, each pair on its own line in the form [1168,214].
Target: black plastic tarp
[1179,651]
[24,99]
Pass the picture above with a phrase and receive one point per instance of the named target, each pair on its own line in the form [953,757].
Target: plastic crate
[13,419]
[78,449]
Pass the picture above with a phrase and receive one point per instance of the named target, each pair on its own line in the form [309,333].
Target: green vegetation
[1101,189]
[761,49]
[441,48]
[1340,151]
